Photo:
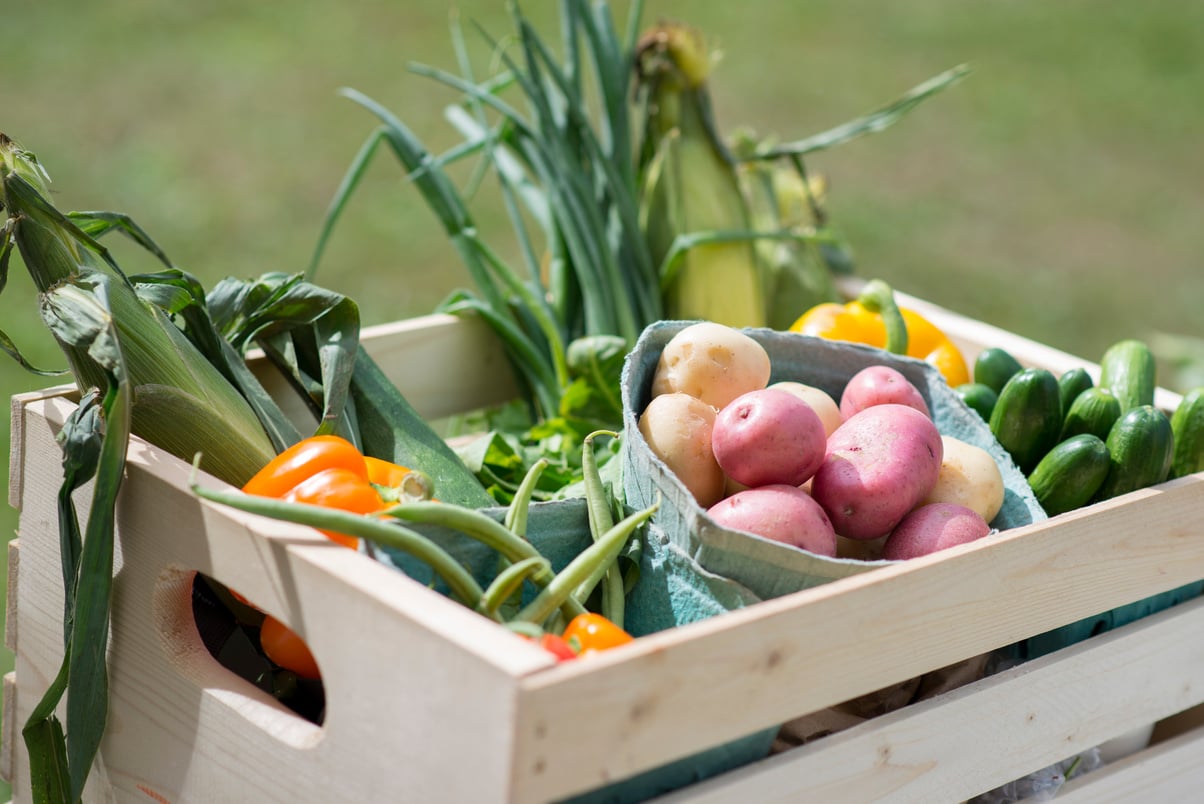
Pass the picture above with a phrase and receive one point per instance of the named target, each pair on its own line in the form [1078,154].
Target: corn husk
[181,403]
[690,186]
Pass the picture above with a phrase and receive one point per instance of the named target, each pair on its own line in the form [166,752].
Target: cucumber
[1027,420]
[1070,474]
[1093,411]
[1071,384]
[1187,423]
[978,397]
[1140,444]
[994,367]
[1127,370]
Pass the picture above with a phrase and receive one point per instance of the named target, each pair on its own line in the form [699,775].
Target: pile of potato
[868,477]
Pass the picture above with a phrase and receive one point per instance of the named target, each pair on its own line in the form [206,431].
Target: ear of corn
[181,402]
[690,186]
[795,272]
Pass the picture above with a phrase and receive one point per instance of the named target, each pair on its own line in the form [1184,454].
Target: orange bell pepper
[400,482]
[285,648]
[302,460]
[323,470]
[862,321]
[341,488]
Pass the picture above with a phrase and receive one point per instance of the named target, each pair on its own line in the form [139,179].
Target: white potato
[678,429]
[711,362]
[820,401]
[969,476]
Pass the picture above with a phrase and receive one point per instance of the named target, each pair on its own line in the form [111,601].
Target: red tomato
[558,647]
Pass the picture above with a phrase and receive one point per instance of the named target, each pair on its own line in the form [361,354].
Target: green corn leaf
[88,699]
[6,343]
[78,314]
[96,224]
[49,777]
[80,441]
[871,123]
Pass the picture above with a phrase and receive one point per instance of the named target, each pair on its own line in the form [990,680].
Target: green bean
[509,581]
[474,524]
[462,585]
[594,559]
[516,514]
[600,521]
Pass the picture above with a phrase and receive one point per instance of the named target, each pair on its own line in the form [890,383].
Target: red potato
[880,385]
[768,436]
[879,464]
[781,513]
[933,527]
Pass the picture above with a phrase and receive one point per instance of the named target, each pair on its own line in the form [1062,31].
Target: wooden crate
[426,701]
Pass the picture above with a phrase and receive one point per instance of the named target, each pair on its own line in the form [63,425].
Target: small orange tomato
[591,632]
[303,460]
[286,649]
[338,488]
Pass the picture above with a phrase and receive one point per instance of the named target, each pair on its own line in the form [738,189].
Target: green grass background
[1056,192]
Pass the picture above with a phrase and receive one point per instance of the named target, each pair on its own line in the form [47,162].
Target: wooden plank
[16,441]
[10,602]
[1001,728]
[973,336]
[1169,771]
[9,732]
[442,364]
[699,685]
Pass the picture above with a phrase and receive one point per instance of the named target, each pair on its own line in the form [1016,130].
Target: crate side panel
[703,684]
[995,730]
[182,727]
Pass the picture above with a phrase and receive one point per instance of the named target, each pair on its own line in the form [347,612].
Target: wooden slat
[1171,771]
[985,734]
[973,336]
[9,732]
[10,603]
[442,364]
[16,442]
[703,684]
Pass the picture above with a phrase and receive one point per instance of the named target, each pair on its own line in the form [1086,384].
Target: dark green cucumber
[1187,423]
[1127,369]
[994,367]
[1140,444]
[978,397]
[1027,420]
[1093,411]
[1070,474]
[1071,384]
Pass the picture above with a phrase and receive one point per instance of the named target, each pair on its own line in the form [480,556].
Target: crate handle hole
[195,612]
